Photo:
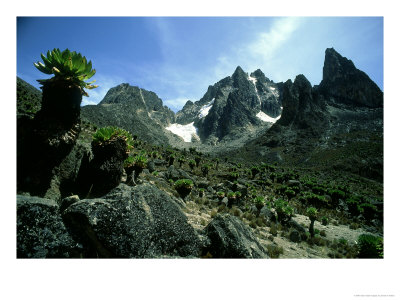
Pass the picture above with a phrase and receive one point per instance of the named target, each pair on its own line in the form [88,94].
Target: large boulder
[140,221]
[231,238]
[41,232]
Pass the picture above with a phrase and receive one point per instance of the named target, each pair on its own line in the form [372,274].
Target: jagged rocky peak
[300,104]
[240,78]
[343,83]
[260,76]
[336,66]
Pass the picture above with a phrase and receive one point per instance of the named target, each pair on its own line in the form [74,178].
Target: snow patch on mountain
[253,80]
[205,109]
[184,131]
[265,118]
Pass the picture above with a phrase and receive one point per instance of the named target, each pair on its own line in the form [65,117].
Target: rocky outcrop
[302,108]
[48,157]
[142,221]
[41,232]
[343,83]
[137,222]
[230,238]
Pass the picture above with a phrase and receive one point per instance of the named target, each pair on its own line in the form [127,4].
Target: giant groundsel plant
[68,66]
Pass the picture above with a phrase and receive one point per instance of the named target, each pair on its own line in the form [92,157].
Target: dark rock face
[301,107]
[45,143]
[230,238]
[233,104]
[107,165]
[142,221]
[343,82]
[29,99]
[41,232]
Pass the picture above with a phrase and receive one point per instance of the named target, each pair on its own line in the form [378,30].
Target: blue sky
[179,57]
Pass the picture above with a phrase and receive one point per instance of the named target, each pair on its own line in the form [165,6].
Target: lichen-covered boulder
[41,232]
[231,238]
[140,221]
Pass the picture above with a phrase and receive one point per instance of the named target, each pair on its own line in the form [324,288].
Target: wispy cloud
[97,94]
[262,51]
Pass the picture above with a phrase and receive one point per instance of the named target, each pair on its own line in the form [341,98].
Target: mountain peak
[336,65]
[238,70]
[345,83]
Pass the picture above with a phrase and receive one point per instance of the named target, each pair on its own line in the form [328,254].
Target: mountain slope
[234,105]
[134,109]
[337,125]
[29,98]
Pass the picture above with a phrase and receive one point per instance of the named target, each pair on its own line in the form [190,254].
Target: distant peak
[238,70]
[335,65]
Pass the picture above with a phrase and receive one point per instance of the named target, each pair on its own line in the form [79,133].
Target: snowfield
[184,131]
[265,118]
[205,109]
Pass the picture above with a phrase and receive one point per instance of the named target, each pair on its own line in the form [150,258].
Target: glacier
[184,131]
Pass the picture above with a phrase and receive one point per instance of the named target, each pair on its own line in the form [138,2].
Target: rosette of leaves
[205,168]
[67,66]
[183,187]
[290,193]
[181,160]
[283,210]
[201,192]
[233,176]
[109,134]
[192,164]
[259,202]
[312,214]
[171,159]
[220,194]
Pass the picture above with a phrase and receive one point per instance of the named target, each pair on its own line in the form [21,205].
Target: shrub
[201,192]
[336,194]
[108,134]
[205,168]
[67,66]
[197,159]
[220,194]
[231,195]
[312,214]
[283,210]
[254,171]
[184,187]
[370,246]
[315,200]
[324,220]
[181,160]
[290,193]
[192,164]
[274,251]
[233,176]
[259,202]
[368,210]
